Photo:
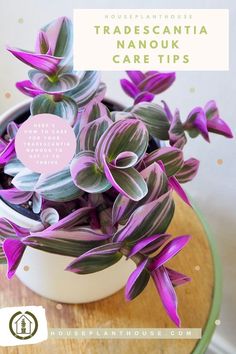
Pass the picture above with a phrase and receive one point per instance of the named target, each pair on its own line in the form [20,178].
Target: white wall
[214,189]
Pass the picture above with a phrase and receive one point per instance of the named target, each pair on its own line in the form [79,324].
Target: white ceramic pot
[44,273]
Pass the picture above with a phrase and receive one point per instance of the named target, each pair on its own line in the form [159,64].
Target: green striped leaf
[154,118]
[62,83]
[13,167]
[63,107]
[188,171]
[157,185]
[86,175]
[92,132]
[96,259]
[86,89]
[59,33]
[26,180]
[58,187]
[126,135]
[137,281]
[176,132]
[171,157]
[128,182]
[149,219]
[64,247]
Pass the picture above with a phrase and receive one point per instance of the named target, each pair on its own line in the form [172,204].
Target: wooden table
[199,303]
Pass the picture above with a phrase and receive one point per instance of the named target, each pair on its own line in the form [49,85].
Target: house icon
[23,325]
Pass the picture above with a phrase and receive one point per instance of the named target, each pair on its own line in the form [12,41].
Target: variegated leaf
[58,186]
[92,132]
[13,167]
[188,171]
[15,196]
[137,281]
[128,181]
[176,132]
[86,174]
[62,83]
[127,135]
[157,185]
[171,157]
[64,247]
[154,118]
[96,259]
[26,180]
[149,219]
[86,89]
[73,220]
[49,216]
[60,36]
[64,107]
[93,110]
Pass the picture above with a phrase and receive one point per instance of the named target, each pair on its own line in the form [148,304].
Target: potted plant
[102,220]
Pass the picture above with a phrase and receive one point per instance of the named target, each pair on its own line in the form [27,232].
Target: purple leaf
[198,120]
[130,89]
[137,281]
[167,293]
[149,244]
[167,111]
[15,196]
[173,182]
[157,82]
[13,250]
[91,133]
[27,88]
[169,251]
[94,109]
[177,278]
[59,35]
[136,76]
[211,110]
[10,229]
[42,62]
[219,126]
[7,152]
[144,97]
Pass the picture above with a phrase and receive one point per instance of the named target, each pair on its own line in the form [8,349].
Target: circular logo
[45,143]
[23,325]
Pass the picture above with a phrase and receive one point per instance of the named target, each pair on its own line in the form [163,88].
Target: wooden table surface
[198,304]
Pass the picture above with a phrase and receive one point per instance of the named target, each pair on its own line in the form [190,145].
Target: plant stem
[137,258]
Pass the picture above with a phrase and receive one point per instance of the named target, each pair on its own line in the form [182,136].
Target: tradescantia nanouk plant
[115,198]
